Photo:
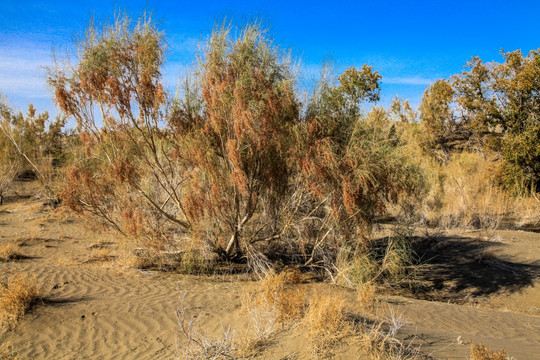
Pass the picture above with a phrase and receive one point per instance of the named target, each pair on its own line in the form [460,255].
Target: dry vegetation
[482,352]
[279,303]
[16,296]
[326,324]
[8,252]
[236,169]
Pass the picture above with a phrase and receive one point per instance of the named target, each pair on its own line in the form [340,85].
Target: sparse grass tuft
[382,345]
[273,301]
[366,295]
[101,255]
[199,344]
[16,296]
[9,252]
[326,324]
[482,352]
[276,294]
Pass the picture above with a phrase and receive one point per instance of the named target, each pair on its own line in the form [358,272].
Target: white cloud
[22,72]
[413,80]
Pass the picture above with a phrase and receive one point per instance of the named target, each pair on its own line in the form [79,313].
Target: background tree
[32,143]
[501,103]
[437,115]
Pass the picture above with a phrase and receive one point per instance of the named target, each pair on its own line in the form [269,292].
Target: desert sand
[484,288]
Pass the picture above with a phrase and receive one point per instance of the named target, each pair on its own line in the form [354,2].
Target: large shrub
[236,164]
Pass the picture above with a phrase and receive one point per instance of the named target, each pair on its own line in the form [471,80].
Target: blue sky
[411,43]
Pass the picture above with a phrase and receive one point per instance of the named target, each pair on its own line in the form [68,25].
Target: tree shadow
[458,269]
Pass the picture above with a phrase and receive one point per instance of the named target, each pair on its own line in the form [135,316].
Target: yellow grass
[366,295]
[482,352]
[274,300]
[326,324]
[8,252]
[16,296]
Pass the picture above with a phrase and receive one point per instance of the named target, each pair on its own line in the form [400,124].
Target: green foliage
[436,112]
[497,106]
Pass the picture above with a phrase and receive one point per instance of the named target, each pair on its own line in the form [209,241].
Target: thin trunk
[233,243]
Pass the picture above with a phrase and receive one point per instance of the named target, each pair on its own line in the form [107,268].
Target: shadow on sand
[458,269]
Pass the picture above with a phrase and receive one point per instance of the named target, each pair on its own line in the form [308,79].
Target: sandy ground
[484,288]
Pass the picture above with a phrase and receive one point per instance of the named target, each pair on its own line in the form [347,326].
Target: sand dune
[98,308]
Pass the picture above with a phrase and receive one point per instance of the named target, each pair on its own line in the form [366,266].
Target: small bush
[326,324]
[482,352]
[366,295]
[276,294]
[8,252]
[16,296]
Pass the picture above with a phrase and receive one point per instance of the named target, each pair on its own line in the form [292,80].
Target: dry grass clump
[194,260]
[199,344]
[366,295]
[380,345]
[288,302]
[465,194]
[16,296]
[326,324]
[482,352]
[378,340]
[9,252]
[528,214]
[275,293]
[273,301]
[99,255]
